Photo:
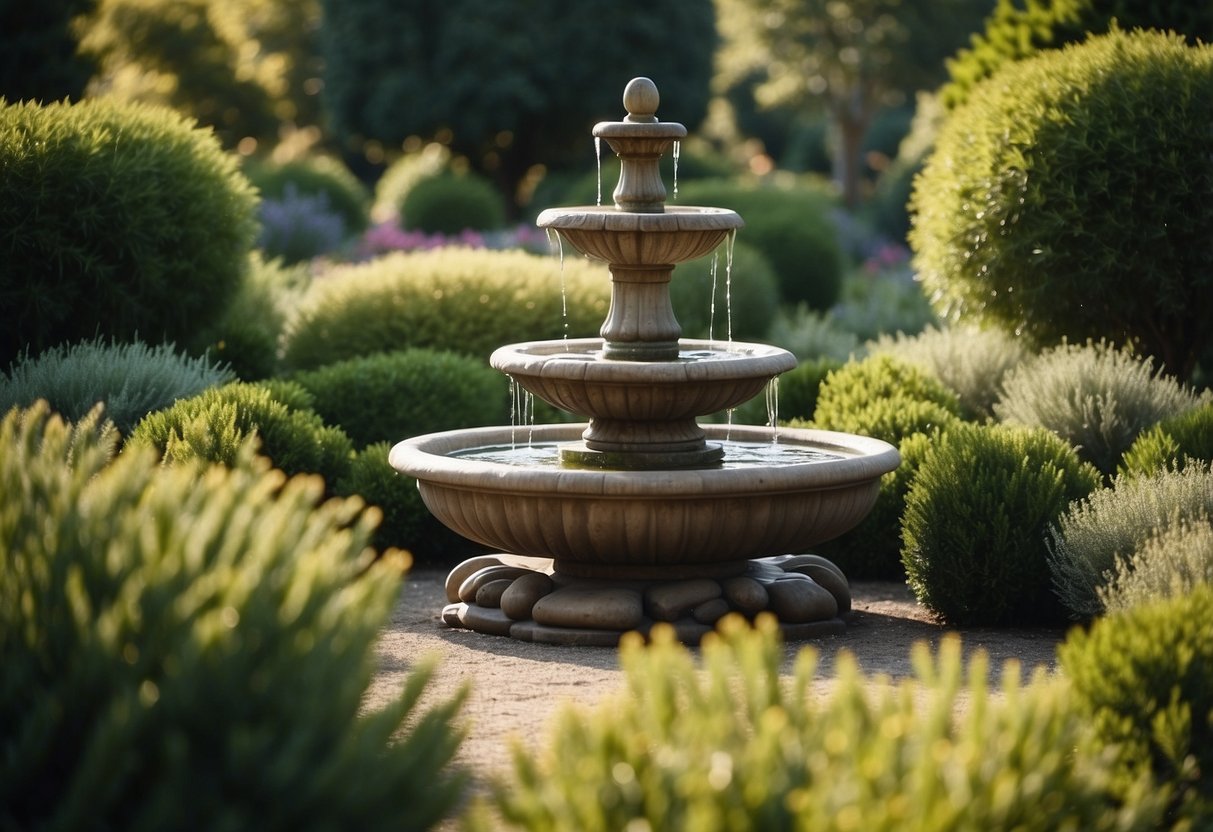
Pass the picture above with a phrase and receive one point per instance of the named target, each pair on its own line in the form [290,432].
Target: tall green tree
[243,67]
[1019,28]
[851,58]
[509,83]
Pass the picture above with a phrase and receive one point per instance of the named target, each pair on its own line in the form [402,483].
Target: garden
[219,602]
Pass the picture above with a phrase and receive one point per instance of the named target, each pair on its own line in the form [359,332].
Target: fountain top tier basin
[645,523]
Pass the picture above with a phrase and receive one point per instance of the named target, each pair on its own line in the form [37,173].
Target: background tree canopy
[509,83]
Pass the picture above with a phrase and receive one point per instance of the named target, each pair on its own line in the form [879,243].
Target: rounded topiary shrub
[463,300]
[1068,198]
[118,220]
[215,424]
[1144,677]
[729,294]
[1173,442]
[391,396]
[315,176]
[191,647]
[793,229]
[407,524]
[1090,539]
[975,518]
[848,396]
[129,380]
[449,203]
[971,362]
[1095,397]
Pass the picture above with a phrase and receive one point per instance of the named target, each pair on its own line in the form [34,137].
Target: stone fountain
[642,515]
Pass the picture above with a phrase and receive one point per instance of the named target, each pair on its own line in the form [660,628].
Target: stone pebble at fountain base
[527,599]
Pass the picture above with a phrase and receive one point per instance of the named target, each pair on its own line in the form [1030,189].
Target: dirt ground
[517,687]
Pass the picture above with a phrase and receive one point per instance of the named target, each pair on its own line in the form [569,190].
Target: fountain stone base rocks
[641,515]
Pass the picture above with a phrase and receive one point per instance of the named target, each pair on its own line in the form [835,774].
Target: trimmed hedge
[391,396]
[791,226]
[116,220]
[450,203]
[1068,199]
[462,300]
[189,647]
[975,519]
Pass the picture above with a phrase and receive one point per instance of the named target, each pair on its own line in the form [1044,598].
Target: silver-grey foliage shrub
[130,380]
[1087,543]
[1095,396]
[1170,563]
[969,360]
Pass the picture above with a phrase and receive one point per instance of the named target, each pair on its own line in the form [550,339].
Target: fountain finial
[640,99]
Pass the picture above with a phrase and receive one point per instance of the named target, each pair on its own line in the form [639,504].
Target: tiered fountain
[642,515]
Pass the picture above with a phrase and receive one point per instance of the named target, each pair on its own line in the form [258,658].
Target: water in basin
[738,454]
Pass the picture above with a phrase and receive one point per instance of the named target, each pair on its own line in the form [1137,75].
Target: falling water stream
[676,152]
[598,155]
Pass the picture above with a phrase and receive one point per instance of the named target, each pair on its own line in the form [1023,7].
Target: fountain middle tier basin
[647,524]
[625,238]
[707,377]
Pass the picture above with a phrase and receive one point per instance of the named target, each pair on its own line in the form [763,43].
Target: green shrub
[889,300]
[849,395]
[791,226]
[1173,442]
[732,746]
[1144,677]
[449,203]
[1095,397]
[1068,199]
[1087,541]
[975,520]
[468,301]
[314,176]
[190,647]
[725,296]
[407,523]
[388,397]
[970,362]
[215,424]
[246,335]
[130,380]
[809,335]
[1171,562]
[115,220]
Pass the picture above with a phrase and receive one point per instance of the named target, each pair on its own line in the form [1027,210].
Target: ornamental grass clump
[973,532]
[727,744]
[215,424]
[1171,562]
[468,301]
[118,220]
[391,396]
[189,647]
[1068,199]
[971,362]
[1144,679]
[1096,397]
[1087,542]
[130,380]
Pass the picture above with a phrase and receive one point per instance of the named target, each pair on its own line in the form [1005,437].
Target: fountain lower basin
[640,524]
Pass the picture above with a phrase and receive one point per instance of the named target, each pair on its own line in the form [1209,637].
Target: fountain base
[580,455]
[534,599]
